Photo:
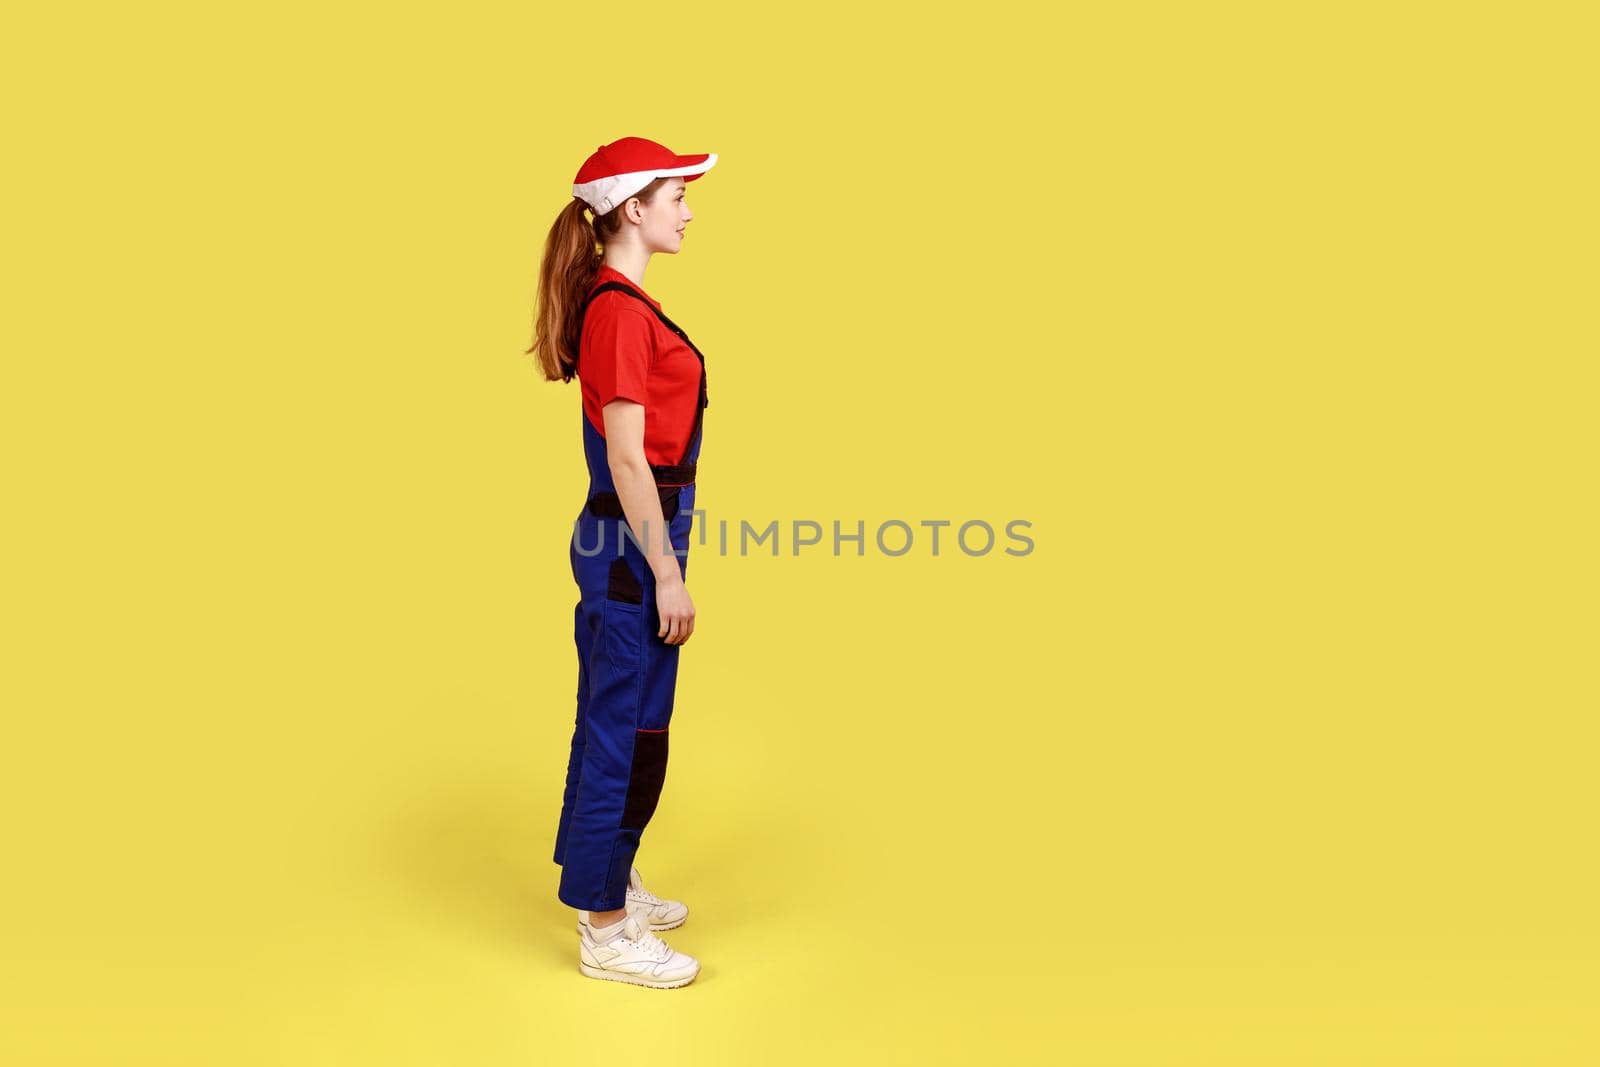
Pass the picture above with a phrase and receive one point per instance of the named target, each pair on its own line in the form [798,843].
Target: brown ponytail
[572,257]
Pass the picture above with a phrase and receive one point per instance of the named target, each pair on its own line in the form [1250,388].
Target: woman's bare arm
[636,489]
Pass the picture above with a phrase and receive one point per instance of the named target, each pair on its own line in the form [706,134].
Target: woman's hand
[677,612]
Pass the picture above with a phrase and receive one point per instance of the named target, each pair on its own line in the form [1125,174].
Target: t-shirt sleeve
[617,353]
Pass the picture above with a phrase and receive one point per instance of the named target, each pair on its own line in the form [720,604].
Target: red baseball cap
[618,170]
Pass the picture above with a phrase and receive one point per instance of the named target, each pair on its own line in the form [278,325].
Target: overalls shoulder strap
[675,328]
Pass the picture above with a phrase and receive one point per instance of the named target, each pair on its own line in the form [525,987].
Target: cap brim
[690,167]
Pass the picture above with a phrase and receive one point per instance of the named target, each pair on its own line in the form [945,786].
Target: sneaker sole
[634,979]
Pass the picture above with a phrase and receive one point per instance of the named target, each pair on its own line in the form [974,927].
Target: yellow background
[1276,321]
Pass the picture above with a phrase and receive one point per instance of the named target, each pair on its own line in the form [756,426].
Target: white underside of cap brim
[603,194]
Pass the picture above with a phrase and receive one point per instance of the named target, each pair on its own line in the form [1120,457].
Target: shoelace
[641,892]
[650,944]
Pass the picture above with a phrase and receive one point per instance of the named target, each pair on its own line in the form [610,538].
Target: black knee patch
[645,779]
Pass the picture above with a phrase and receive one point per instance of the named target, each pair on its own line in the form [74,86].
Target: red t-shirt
[625,351]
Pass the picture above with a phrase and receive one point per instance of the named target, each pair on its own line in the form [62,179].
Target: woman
[643,391]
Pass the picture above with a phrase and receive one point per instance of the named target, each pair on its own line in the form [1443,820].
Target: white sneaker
[635,955]
[659,914]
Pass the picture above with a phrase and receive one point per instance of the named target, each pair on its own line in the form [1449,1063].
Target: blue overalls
[626,672]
